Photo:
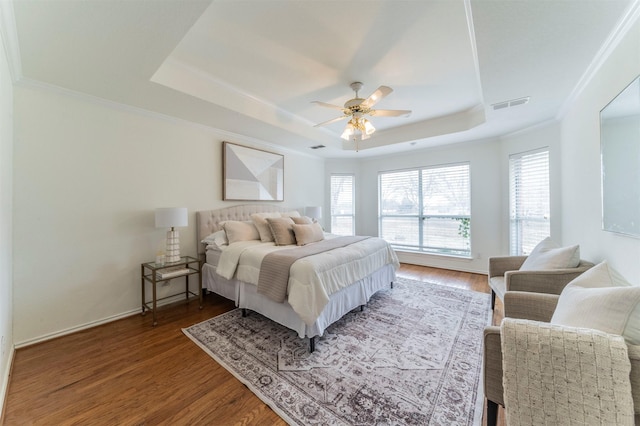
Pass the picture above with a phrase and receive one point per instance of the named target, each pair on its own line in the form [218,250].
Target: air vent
[317,147]
[511,103]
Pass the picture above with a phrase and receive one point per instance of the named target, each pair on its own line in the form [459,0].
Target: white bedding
[314,278]
[213,253]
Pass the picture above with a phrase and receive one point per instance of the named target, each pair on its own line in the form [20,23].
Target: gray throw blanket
[274,270]
[557,375]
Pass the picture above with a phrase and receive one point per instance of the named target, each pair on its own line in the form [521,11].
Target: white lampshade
[348,131]
[368,127]
[169,217]
[313,212]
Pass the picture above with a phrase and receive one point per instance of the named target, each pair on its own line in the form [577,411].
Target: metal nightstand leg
[200,283]
[142,279]
[155,308]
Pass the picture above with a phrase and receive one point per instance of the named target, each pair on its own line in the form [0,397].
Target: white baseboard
[443,262]
[5,383]
[92,324]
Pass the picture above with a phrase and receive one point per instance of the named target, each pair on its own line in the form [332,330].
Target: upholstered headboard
[208,221]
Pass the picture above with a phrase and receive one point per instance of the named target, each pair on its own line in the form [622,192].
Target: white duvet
[314,278]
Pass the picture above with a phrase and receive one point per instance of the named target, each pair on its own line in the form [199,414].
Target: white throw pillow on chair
[601,299]
[549,255]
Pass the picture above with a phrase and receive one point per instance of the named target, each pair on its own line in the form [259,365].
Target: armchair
[504,275]
[537,307]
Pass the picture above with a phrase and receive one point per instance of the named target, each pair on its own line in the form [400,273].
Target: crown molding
[613,40]
[9,35]
[474,47]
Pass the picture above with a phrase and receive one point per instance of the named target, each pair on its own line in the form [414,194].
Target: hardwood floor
[129,373]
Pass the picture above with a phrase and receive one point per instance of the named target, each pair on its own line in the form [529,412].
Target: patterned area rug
[413,356]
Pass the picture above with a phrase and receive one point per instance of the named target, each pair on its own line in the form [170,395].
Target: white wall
[580,150]
[486,231]
[6,232]
[88,176]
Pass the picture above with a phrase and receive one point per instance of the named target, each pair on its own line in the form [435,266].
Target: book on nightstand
[172,272]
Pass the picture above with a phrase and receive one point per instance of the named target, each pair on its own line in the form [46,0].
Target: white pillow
[240,231]
[549,255]
[601,299]
[260,220]
[218,238]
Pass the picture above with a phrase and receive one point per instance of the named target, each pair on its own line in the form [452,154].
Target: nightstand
[154,273]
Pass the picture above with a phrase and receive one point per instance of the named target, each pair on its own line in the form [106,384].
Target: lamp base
[173,246]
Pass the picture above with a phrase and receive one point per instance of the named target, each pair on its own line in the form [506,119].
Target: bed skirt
[246,296]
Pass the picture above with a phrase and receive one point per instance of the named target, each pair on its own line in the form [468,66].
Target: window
[528,200]
[427,209]
[342,201]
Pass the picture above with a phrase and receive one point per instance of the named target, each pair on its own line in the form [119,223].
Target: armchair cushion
[603,300]
[549,255]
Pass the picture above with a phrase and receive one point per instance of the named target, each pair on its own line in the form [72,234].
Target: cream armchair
[504,275]
[537,307]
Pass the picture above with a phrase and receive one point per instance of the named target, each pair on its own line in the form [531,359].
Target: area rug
[412,356]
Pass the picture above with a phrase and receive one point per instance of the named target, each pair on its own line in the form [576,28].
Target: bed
[307,309]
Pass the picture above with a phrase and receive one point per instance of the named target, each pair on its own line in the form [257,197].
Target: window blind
[342,204]
[529,206]
[427,209]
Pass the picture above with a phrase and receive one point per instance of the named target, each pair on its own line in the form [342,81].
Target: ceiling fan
[355,109]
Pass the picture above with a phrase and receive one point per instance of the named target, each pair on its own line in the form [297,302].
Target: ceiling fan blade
[326,105]
[375,97]
[331,121]
[390,112]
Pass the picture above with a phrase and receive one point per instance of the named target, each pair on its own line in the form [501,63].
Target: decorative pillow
[292,213]
[218,238]
[281,228]
[601,299]
[304,220]
[549,255]
[308,233]
[240,231]
[260,220]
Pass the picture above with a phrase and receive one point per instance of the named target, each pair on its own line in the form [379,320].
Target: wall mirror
[620,157]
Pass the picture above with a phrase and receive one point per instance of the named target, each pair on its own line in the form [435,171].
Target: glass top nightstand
[155,273]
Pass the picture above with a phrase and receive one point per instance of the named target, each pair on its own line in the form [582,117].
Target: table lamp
[171,217]
[313,212]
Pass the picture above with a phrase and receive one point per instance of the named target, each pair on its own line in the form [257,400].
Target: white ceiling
[254,67]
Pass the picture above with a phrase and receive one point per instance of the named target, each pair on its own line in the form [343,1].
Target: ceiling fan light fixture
[358,127]
[349,131]
[368,127]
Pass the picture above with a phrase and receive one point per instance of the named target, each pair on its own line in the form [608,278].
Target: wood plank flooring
[129,373]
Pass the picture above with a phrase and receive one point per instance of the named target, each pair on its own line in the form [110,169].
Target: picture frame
[250,174]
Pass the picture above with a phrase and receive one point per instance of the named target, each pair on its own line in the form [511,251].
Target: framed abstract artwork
[251,174]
